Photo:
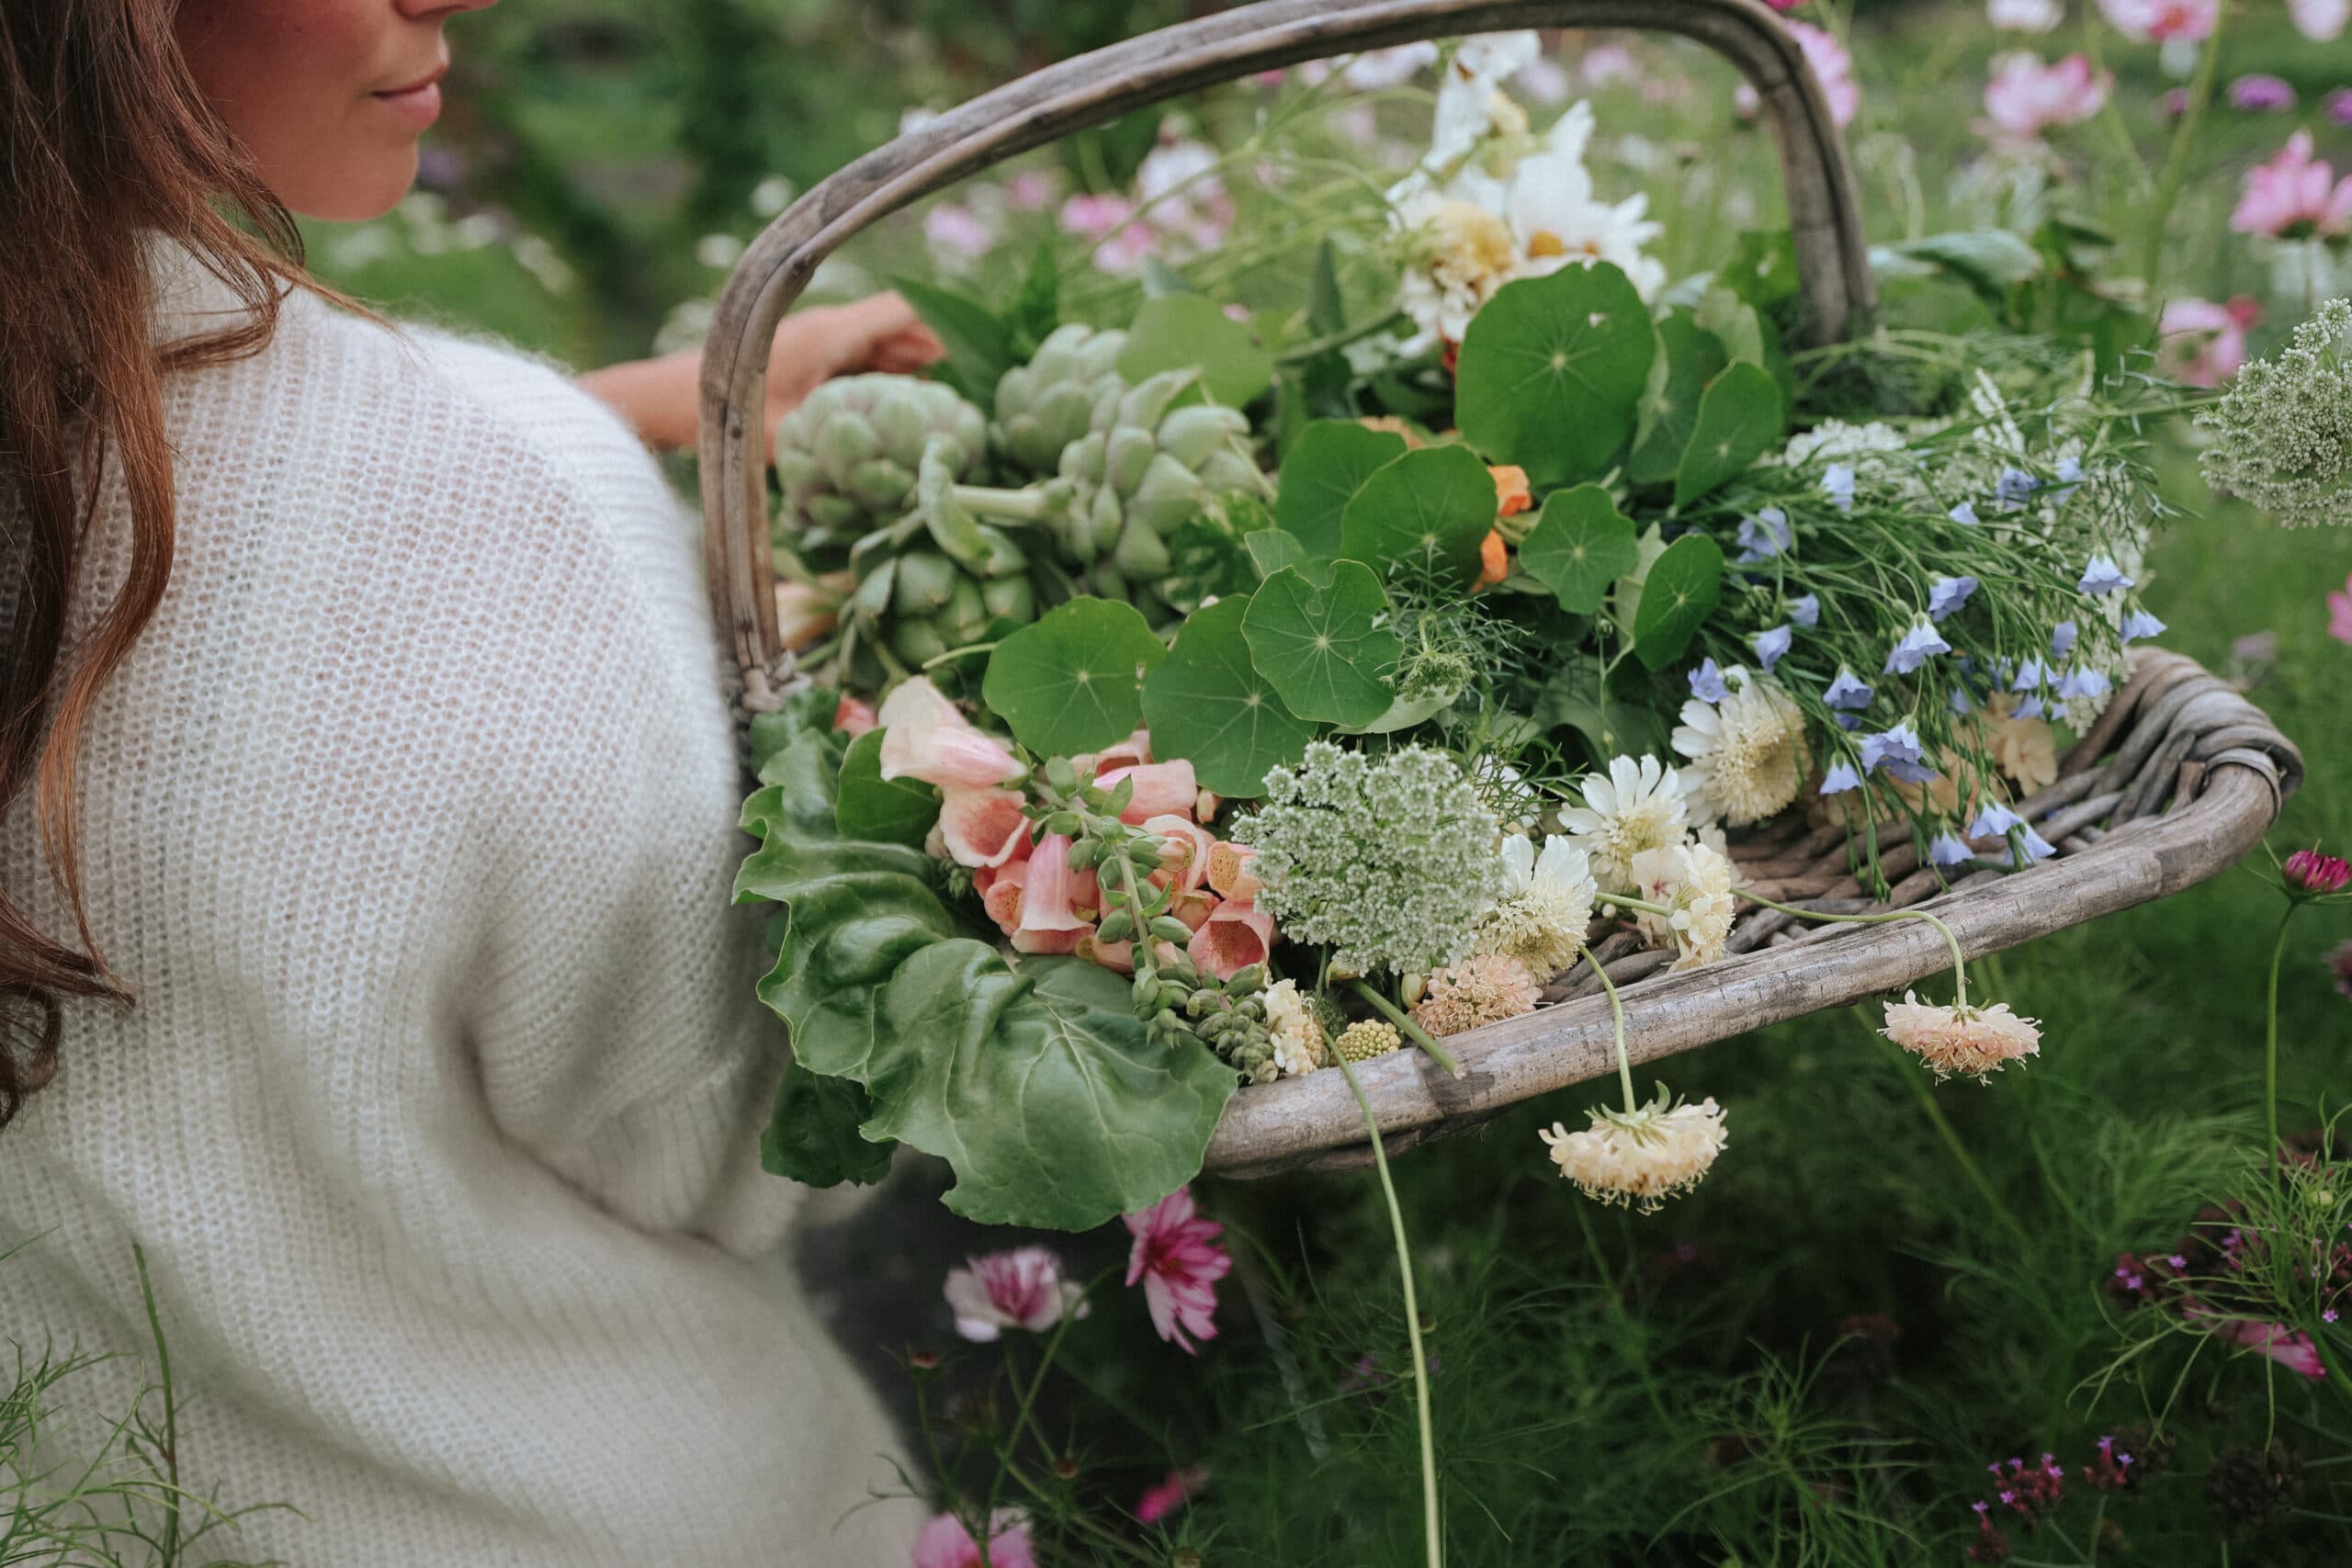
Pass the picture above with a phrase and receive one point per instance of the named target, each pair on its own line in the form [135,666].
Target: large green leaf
[1071,681]
[1038,1086]
[1739,421]
[1688,359]
[1552,371]
[1189,331]
[812,1136]
[1323,644]
[1436,505]
[1581,545]
[1321,473]
[892,812]
[1676,597]
[1206,701]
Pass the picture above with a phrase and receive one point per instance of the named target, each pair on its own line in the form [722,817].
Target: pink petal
[1135,749]
[1161,789]
[853,717]
[1045,895]
[1235,935]
[1002,897]
[1193,909]
[926,737]
[983,827]
[1229,872]
[1184,863]
[1055,944]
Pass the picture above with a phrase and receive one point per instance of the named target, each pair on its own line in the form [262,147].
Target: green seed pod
[916,642]
[1246,981]
[1065,823]
[1175,995]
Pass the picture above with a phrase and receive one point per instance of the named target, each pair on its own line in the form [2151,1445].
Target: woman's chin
[362,189]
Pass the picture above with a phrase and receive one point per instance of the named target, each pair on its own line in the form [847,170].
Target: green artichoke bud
[1043,406]
[849,456]
[1144,469]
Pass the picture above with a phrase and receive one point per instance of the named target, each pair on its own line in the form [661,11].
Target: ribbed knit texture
[411,819]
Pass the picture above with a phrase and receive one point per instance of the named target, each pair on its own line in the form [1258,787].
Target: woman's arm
[659,398]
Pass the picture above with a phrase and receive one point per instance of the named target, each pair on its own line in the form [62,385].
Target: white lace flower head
[1635,806]
[1641,1158]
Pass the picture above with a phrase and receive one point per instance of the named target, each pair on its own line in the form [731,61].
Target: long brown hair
[105,148]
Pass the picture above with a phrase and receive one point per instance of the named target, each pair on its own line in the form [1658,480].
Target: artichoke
[938,578]
[1043,406]
[1144,469]
[936,604]
[849,458]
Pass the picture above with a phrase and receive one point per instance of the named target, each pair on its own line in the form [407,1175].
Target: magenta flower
[1181,1487]
[946,1543]
[2310,871]
[1032,190]
[2294,196]
[2291,1347]
[1177,1259]
[1833,65]
[2339,105]
[2258,94]
[1021,1289]
[2339,614]
[2201,343]
[2026,97]
[957,230]
[2162,21]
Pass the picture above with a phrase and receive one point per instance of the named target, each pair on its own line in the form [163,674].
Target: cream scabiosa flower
[1694,883]
[1745,750]
[1962,1039]
[1640,1157]
[1545,906]
[1297,1033]
[1637,807]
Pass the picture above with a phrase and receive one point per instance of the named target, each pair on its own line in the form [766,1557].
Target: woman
[364,893]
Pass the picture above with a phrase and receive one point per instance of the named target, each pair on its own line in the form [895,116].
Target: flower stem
[1419,1035]
[1617,1017]
[171,1444]
[1959,968]
[1432,1538]
[1918,1082]
[2270,1039]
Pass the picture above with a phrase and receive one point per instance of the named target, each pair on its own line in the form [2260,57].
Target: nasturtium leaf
[1206,701]
[1271,550]
[1581,545]
[1552,371]
[1437,506]
[1762,267]
[1189,331]
[1688,359]
[1747,336]
[1322,646]
[889,811]
[1576,696]
[1676,597]
[1038,1086]
[1321,473]
[812,1136]
[1739,421]
[1071,681]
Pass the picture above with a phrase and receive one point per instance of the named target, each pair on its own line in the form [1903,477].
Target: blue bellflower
[1841,777]
[2139,625]
[1707,683]
[1845,692]
[1764,536]
[2102,576]
[1921,643]
[1895,750]
[2061,639]
[1964,512]
[1838,484]
[1771,643]
[2013,487]
[1949,849]
[1805,611]
[1947,595]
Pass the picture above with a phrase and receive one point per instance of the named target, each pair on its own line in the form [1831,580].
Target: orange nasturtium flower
[1494,561]
[1510,490]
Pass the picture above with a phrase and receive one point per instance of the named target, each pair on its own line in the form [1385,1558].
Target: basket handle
[1832,260]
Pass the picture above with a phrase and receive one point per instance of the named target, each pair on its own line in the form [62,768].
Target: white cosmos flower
[1745,752]
[1546,904]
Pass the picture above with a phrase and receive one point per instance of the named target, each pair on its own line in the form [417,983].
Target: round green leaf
[1688,359]
[1680,595]
[1438,505]
[1191,332]
[1321,645]
[1321,473]
[1581,545]
[1207,703]
[879,811]
[1552,371]
[1739,421]
[1072,680]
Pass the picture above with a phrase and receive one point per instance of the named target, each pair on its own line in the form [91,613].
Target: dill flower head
[1297,1033]
[1483,989]
[1545,906]
[1372,1037]
[2282,434]
[1970,1040]
[1639,805]
[1391,861]
[1640,1157]
[1745,752]
[1694,882]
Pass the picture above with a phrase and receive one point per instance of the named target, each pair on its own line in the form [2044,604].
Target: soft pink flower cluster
[1040,901]
[2162,21]
[2027,97]
[2294,196]
[947,1542]
[2201,343]
[1180,207]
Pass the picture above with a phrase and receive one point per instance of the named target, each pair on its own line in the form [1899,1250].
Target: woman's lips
[414,108]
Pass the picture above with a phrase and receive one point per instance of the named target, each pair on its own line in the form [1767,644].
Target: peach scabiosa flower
[1642,1156]
[1960,1038]
[1481,989]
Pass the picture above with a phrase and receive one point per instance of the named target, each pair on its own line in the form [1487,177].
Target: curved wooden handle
[1833,259]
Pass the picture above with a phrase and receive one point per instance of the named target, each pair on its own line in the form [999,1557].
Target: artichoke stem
[1004,505]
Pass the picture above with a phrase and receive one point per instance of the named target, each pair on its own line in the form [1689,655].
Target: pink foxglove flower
[2201,343]
[2026,97]
[1184,853]
[853,717]
[1021,1289]
[1000,891]
[983,827]
[2294,196]
[1046,893]
[1181,1487]
[1235,935]
[946,1543]
[2162,21]
[2339,614]
[1179,1262]
[925,737]
[1161,789]
[2321,21]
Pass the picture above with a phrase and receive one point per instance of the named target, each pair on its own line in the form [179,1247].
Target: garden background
[1815,1357]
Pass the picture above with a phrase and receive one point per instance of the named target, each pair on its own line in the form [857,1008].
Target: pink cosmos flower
[946,1543]
[957,230]
[2261,94]
[1831,65]
[2294,196]
[2162,21]
[1235,935]
[1161,789]
[1021,1289]
[1607,63]
[2201,343]
[2321,21]
[2026,97]
[2339,614]
[983,827]
[1122,240]
[2339,963]
[2311,870]
[1178,1259]
[853,717]
[925,737]
[1031,190]
[1181,1487]
[2291,1347]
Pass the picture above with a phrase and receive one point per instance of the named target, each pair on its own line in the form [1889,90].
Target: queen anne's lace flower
[1694,882]
[1482,989]
[1953,1039]
[1745,752]
[1297,1033]
[1639,805]
[1545,906]
[2283,431]
[1641,1158]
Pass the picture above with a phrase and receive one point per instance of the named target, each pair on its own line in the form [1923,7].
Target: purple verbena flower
[2257,93]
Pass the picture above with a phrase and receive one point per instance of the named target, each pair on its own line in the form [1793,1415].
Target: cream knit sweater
[411,819]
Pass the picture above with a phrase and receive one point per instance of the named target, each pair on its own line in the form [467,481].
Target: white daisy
[1545,906]
[1745,752]
[1637,807]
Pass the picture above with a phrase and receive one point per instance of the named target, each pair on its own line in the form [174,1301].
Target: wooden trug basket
[2178,779]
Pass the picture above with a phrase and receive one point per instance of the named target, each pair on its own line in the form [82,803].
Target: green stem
[2270,1040]
[1004,505]
[1925,1096]
[1617,1017]
[1959,967]
[1432,1538]
[1404,1022]
[1315,348]
[171,1548]
[2184,135]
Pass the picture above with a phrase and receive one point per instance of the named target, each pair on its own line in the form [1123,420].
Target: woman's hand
[661,398]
